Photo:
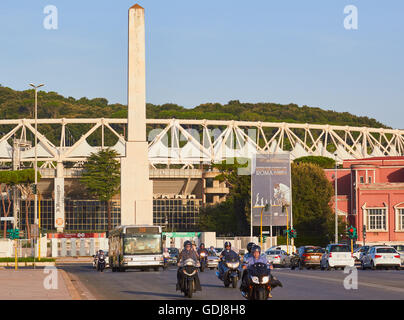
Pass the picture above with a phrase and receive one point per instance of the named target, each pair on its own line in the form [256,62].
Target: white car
[359,252]
[337,256]
[277,257]
[381,256]
[400,250]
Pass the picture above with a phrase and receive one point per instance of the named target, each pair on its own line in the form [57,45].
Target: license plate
[315,257]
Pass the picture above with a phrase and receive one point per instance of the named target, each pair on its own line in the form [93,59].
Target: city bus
[135,247]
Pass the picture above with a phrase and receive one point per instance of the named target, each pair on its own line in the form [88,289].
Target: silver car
[278,257]
[213,259]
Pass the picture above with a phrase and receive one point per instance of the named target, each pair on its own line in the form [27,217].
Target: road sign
[34,231]
[11,219]
[13,234]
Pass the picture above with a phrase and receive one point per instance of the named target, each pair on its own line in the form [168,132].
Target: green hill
[20,104]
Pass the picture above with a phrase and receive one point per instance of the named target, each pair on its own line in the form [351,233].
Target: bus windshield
[142,244]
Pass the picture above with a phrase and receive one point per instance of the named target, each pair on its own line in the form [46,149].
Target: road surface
[297,284]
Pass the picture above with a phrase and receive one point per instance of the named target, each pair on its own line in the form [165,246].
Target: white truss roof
[42,152]
[6,151]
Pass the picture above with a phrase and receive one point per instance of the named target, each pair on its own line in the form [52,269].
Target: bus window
[142,244]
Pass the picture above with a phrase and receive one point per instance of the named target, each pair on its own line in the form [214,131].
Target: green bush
[28,259]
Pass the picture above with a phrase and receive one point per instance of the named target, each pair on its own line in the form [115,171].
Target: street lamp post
[36,152]
[336,199]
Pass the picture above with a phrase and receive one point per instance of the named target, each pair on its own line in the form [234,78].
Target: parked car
[337,256]
[381,256]
[174,254]
[307,257]
[279,258]
[213,259]
[400,250]
[359,252]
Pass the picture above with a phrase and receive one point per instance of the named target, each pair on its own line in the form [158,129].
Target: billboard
[271,185]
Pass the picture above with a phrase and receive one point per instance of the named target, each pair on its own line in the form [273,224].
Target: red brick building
[371,193]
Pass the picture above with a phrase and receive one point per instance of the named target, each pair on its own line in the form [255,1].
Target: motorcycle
[190,270]
[203,260]
[259,282]
[101,262]
[231,272]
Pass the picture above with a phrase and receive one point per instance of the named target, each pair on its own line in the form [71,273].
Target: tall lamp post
[336,199]
[36,153]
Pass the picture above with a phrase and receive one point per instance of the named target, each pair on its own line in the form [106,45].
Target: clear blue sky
[215,51]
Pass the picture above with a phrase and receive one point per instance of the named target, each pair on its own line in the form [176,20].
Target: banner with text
[271,185]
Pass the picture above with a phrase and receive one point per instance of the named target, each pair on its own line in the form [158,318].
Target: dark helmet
[256,248]
[187,243]
[227,244]
[250,246]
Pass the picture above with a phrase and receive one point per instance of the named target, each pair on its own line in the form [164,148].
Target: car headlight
[265,279]
[255,280]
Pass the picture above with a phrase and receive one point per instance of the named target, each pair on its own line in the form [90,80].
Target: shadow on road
[213,286]
[155,294]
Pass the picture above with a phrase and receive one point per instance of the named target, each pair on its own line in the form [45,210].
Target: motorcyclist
[257,257]
[226,254]
[202,249]
[166,256]
[187,253]
[248,254]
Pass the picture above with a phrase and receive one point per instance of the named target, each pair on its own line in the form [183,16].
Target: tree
[231,216]
[323,162]
[311,197]
[23,180]
[7,180]
[102,177]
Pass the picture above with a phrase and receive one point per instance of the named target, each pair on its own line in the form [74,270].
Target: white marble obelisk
[136,187]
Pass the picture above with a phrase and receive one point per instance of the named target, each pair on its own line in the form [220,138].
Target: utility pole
[36,157]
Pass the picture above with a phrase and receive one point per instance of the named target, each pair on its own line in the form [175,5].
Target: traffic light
[292,233]
[364,232]
[34,188]
[352,233]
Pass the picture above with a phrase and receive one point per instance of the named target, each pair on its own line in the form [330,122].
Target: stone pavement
[30,284]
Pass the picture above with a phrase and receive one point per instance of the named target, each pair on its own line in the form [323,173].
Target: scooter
[231,272]
[101,262]
[190,270]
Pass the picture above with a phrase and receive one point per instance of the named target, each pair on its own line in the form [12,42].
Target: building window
[361,180]
[370,179]
[376,219]
[400,222]
[209,183]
